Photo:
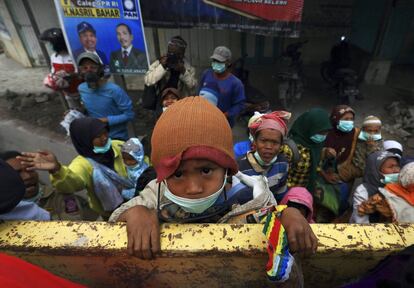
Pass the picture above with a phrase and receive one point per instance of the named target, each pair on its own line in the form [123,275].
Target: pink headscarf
[300,195]
[276,121]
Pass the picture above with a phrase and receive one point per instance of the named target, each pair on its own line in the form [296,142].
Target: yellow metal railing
[195,255]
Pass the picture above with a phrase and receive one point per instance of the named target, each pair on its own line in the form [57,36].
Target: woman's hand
[299,233]
[42,160]
[330,153]
[143,231]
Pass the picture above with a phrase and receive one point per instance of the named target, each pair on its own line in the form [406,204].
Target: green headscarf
[308,124]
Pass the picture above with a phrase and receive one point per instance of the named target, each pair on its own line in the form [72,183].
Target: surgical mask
[390,178]
[364,136]
[218,67]
[318,138]
[196,206]
[92,79]
[345,125]
[262,162]
[103,149]
[132,170]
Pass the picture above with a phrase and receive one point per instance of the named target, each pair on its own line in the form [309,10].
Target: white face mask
[262,162]
[196,206]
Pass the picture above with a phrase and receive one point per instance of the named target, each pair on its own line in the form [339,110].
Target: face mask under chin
[196,206]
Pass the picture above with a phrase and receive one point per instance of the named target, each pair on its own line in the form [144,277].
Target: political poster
[113,30]
[268,17]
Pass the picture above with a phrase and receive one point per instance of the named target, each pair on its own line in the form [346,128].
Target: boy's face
[390,166]
[372,129]
[268,144]
[128,159]
[169,99]
[196,179]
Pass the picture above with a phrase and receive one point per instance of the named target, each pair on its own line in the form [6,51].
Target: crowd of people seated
[196,174]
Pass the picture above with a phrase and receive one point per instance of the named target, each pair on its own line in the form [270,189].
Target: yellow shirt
[78,176]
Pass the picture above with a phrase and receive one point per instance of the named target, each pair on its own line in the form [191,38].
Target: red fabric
[291,11]
[16,273]
[275,120]
[406,193]
[69,68]
[169,165]
[273,242]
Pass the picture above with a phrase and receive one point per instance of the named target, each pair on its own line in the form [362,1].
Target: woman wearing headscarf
[341,142]
[99,167]
[336,169]
[268,132]
[306,139]
[382,168]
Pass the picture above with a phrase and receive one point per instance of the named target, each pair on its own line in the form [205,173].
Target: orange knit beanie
[192,128]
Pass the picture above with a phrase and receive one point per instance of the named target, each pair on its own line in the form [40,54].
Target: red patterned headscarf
[276,120]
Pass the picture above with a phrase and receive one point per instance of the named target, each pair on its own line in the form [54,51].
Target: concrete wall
[45,14]
[16,135]
[196,255]
[13,46]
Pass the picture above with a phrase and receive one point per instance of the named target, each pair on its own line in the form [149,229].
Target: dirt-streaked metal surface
[195,255]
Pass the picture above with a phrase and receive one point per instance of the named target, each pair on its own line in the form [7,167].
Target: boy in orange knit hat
[192,155]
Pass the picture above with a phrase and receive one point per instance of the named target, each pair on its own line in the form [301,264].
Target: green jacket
[78,176]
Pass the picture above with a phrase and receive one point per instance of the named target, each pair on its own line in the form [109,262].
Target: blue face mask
[345,125]
[390,178]
[196,206]
[376,137]
[364,136]
[318,138]
[103,149]
[262,162]
[218,67]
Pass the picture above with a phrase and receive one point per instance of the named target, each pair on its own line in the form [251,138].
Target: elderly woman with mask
[268,132]
[341,142]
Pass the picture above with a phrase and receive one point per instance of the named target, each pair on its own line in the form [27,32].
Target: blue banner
[111,29]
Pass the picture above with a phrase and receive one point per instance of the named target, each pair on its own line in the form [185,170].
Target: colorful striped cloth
[280,260]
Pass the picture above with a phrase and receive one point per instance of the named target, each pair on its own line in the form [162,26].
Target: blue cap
[85,26]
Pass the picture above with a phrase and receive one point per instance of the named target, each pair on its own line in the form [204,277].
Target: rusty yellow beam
[202,255]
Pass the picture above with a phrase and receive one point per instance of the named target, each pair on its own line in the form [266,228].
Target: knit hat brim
[169,165]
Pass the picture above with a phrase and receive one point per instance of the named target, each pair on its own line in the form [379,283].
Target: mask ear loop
[225,182]
[158,201]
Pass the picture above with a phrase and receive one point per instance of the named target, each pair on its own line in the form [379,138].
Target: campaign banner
[113,30]
[268,17]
